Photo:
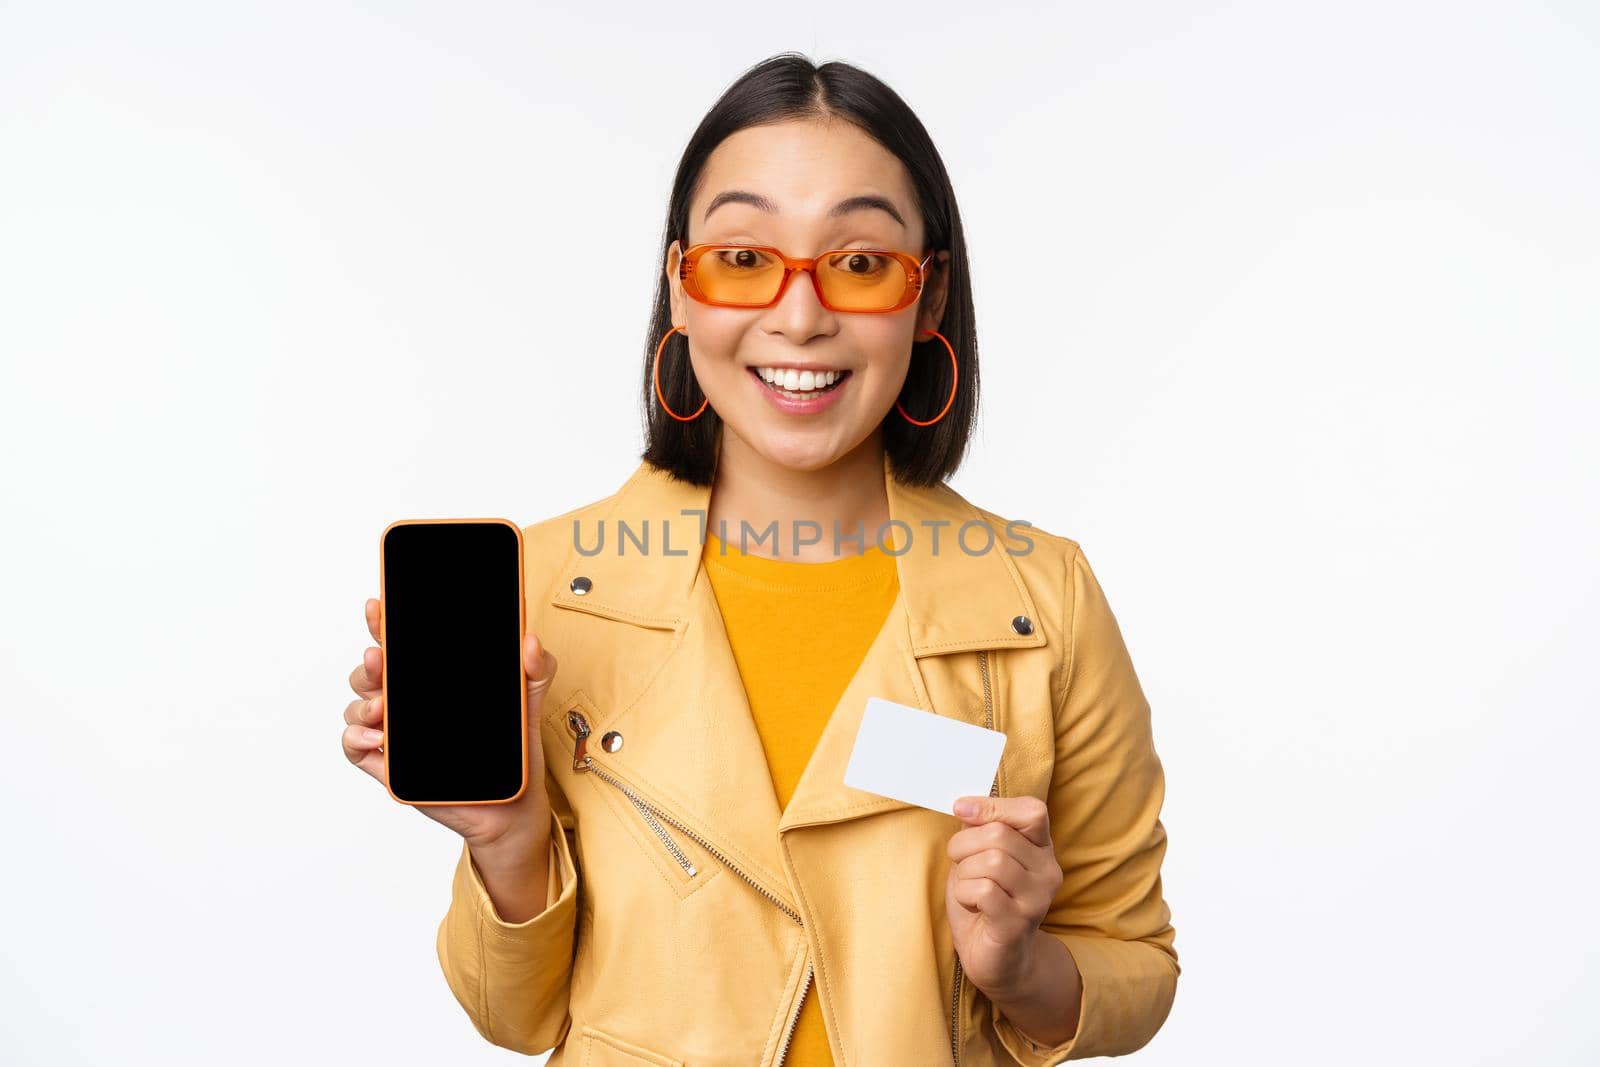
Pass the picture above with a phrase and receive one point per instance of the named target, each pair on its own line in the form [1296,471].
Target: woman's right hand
[516,831]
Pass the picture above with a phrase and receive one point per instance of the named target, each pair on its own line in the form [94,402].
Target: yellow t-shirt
[798,632]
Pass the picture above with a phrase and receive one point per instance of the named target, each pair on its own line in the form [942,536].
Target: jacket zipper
[994,790]
[788,1033]
[583,761]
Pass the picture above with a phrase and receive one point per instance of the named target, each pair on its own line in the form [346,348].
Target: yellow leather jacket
[687,916]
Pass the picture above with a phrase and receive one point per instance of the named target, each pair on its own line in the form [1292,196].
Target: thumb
[540,663]
[974,809]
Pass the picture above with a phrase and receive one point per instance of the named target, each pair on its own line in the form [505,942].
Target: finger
[374,613]
[360,742]
[1001,868]
[1003,838]
[981,894]
[1029,815]
[367,678]
[367,712]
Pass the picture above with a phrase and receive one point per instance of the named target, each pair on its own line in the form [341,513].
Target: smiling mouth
[799,385]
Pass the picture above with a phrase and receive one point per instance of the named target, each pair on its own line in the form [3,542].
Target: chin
[800,451]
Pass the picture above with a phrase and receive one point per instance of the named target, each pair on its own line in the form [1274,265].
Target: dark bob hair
[789,86]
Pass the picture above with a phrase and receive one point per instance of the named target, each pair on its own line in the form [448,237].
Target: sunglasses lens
[862,281]
[737,276]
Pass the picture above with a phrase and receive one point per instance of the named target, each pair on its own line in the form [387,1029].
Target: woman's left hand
[1003,876]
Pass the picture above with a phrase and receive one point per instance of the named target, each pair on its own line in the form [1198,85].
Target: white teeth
[800,383]
[790,378]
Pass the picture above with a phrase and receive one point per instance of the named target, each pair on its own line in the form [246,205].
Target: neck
[847,495]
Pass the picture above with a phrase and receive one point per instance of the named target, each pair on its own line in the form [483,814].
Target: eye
[862,264]
[736,259]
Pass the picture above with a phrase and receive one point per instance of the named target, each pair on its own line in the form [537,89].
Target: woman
[693,883]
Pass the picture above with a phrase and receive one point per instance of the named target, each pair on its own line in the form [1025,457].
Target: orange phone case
[383,642]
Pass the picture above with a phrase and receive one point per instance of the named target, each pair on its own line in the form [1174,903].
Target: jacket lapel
[690,743]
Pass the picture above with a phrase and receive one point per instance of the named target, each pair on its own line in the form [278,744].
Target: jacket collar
[645,568]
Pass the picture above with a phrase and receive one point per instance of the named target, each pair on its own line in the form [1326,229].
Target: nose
[799,315]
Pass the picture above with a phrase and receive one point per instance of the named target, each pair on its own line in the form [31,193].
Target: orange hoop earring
[955,372]
[655,375]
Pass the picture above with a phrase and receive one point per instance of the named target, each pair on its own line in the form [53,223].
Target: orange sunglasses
[863,280]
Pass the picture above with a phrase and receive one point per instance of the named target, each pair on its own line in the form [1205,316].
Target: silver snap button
[580,585]
[611,741]
[1022,624]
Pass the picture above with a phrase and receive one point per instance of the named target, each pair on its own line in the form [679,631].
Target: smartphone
[455,694]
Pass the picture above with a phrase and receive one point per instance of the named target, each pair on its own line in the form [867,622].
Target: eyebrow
[843,207]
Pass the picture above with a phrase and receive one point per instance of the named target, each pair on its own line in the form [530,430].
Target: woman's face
[803,169]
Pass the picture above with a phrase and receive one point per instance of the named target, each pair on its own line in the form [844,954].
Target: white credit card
[922,758]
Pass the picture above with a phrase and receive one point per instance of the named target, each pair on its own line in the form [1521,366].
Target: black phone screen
[452,661]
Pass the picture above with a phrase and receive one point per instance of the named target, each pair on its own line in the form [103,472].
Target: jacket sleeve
[1105,801]
[513,978]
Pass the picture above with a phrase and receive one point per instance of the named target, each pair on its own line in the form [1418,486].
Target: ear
[679,302]
[930,305]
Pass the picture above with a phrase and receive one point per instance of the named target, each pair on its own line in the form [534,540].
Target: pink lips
[800,407]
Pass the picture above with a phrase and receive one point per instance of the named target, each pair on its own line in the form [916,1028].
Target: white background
[1288,315]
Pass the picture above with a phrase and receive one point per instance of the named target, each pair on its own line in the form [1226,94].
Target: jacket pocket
[683,866]
[601,1049]
[684,871]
